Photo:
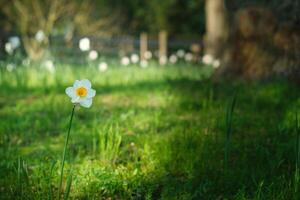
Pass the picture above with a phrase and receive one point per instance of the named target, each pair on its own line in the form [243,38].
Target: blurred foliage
[287,10]
[37,20]
[178,17]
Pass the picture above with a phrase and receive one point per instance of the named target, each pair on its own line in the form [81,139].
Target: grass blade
[68,187]
[229,114]
[50,195]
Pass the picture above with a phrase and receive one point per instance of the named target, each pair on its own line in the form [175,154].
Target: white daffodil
[173,59]
[81,93]
[93,55]
[14,41]
[125,61]
[84,44]
[188,57]
[26,62]
[180,53]
[10,67]
[144,63]
[163,60]
[49,66]
[216,64]
[207,59]
[148,55]
[40,36]
[8,48]
[102,66]
[134,58]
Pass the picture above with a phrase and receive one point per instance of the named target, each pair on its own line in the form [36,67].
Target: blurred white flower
[10,67]
[48,63]
[148,55]
[26,62]
[40,36]
[163,60]
[8,48]
[180,53]
[81,93]
[134,58]
[49,66]
[125,61]
[173,59]
[93,55]
[188,57]
[84,44]
[14,41]
[216,64]
[207,59]
[144,63]
[102,66]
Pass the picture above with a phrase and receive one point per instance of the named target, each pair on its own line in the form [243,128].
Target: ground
[154,133]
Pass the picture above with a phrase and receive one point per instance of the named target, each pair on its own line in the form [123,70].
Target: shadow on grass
[262,148]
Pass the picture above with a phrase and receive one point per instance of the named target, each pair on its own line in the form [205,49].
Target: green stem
[64,153]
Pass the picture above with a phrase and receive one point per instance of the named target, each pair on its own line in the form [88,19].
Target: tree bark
[217,30]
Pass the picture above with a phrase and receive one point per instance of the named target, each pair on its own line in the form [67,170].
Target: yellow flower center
[81,91]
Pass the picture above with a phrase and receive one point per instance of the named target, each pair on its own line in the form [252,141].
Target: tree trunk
[217,30]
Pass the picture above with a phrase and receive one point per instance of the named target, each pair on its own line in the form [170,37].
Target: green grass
[155,133]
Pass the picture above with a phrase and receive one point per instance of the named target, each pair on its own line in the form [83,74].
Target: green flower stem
[64,152]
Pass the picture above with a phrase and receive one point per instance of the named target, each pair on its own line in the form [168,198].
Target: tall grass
[107,143]
[297,175]
[228,121]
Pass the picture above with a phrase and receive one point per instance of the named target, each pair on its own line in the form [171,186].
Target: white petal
[86,102]
[86,83]
[91,93]
[76,83]
[70,92]
[75,99]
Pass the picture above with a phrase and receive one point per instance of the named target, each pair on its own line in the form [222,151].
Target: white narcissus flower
[26,62]
[40,36]
[81,93]
[8,48]
[216,64]
[14,41]
[207,59]
[148,55]
[125,61]
[180,53]
[10,67]
[173,59]
[102,66]
[144,63]
[134,58]
[163,60]
[93,55]
[188,57]
[84,44]
[48,64]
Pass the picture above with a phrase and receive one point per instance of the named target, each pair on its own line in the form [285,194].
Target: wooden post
[195,49]
[143,45]
[163,44]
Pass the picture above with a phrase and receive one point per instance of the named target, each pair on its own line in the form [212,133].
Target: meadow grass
[155,133]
